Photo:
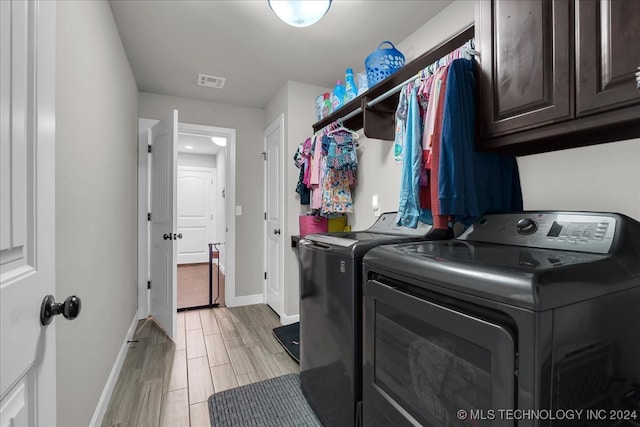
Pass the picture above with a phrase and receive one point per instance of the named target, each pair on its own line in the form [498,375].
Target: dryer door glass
[433,365]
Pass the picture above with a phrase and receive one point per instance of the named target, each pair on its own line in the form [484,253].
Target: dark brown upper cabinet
[608,41]
[557,74]
[525,75]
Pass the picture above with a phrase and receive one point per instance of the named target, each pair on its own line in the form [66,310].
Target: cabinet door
[526,63]
[608,43]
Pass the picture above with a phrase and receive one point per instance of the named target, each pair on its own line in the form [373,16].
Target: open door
[273,217]
[27,213]
[163,256]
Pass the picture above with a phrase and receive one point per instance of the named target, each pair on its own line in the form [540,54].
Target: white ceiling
[200,144]
[169,43]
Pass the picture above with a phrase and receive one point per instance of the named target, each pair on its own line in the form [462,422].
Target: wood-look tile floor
[166,383]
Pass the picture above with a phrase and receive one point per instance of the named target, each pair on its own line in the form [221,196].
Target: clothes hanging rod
[389,93]
[352,114]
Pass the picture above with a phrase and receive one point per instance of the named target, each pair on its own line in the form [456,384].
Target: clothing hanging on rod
[332,171]
[302,160]
[453,182]
[339,178]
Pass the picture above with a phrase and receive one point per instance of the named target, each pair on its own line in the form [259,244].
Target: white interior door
[195,214]
[27,207]
[163,257]
[273,206]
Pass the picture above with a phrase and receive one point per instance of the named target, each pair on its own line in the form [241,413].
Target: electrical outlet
[375,204]
[238,210]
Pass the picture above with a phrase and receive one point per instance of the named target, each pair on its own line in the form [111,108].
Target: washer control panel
[581,232]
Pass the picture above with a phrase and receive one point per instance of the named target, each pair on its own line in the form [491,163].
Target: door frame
[144,170]
[278,122]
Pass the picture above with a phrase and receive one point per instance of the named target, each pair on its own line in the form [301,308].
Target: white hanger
[342,128]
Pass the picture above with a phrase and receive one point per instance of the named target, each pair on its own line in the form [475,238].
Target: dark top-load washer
[533,315]
[331,314]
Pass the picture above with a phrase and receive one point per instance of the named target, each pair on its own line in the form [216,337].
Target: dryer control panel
[574,231]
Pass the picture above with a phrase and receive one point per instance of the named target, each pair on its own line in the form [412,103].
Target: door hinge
[148,284]
[264,155]
[265,275]
[149,148]
[265,215]
[149,216]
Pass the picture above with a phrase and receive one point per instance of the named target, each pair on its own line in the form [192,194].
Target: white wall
[249,125]
[451,20]
[96,202]
[297,102]
[604,177]
[197,160]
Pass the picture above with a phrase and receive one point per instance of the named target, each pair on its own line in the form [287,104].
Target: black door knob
[276,231]
[70,308]
[173,236]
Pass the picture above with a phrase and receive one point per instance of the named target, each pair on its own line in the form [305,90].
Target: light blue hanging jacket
[409,207]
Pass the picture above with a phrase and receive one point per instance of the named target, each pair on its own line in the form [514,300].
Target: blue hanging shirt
[471,183]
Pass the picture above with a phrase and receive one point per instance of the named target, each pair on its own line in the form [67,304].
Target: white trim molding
[287,320]
[244,300]
[105,397]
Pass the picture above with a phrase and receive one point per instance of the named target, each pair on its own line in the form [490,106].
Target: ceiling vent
[211,81]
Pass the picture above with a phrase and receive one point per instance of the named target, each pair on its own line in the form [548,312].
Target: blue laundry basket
[382,63]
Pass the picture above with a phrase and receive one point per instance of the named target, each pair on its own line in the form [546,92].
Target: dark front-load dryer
[331,314]
[528,319]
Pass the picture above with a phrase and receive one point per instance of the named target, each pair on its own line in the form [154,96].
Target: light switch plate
[238,210]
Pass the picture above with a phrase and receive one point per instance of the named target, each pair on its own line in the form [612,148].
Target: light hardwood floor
[163,383]
[193,285]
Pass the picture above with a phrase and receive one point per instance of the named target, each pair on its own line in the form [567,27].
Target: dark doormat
[277,402]
[289,337]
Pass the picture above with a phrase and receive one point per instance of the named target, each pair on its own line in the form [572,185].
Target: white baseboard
[105,397]
[245,300]
[287,320]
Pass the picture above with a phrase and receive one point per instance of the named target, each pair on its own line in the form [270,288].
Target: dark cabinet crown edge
[611,126]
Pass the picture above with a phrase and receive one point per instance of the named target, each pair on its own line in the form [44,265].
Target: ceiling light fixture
[301,13]
[219,141]
[189,147]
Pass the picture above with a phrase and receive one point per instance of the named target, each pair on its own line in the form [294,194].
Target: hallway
[163,383]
